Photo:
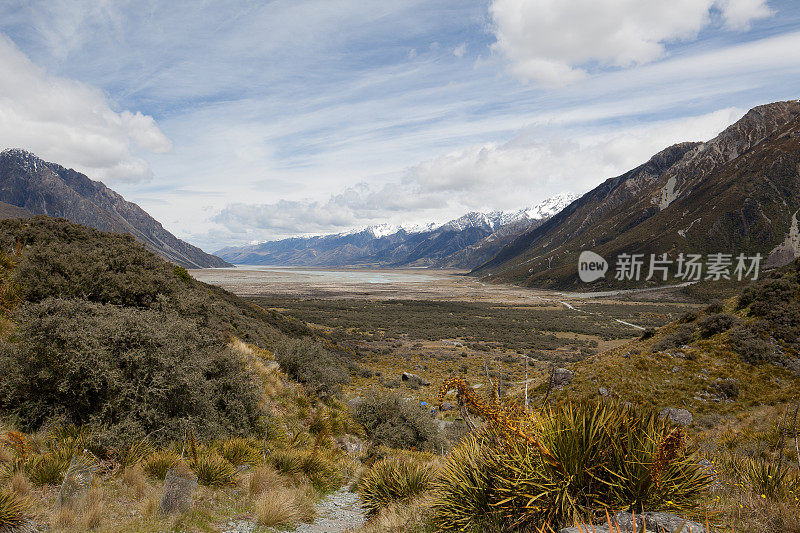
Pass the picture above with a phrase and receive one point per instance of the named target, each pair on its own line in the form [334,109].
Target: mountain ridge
[43,188]
[460,243]
[735,193]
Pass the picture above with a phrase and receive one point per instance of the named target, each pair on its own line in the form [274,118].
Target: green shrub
[682,335]
[287,461]
[132,371]
[390,421]
[393,480]
[713,324]
[751,342]
[321,372]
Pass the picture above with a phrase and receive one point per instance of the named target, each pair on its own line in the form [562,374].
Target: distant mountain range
[30,186]
[737,193]
[463,243]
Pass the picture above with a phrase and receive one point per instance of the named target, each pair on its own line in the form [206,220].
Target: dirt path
[337,512]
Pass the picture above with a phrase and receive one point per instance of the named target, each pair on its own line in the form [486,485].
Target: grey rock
[654,523]
[681,417]
[562,376]
[408,376]
[658,522]
[353,403]
[447,406]
[603,392]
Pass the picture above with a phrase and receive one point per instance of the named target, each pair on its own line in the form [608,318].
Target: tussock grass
[263,479]
[19,484]
[214,471]
[239,451]
[284,507]
[393,480]
[135,481]
[159,462]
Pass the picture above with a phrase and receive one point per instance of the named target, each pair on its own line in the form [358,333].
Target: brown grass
[263,479]
[135,481]
[5,455]
[285,506]
[397,518]
[19,484]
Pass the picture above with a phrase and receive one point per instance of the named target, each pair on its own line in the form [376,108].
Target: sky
[237,121]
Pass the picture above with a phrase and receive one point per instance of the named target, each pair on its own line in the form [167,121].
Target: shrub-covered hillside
[101,332]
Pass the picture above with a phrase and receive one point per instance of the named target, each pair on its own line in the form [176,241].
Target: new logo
[591,266]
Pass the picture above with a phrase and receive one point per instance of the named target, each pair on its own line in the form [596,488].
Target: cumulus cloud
[72,123]
[552,42]
[536,164]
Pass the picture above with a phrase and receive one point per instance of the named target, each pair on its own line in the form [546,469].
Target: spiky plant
[287,461]
[394,480]
[13,512]
[134,453]
[462,489]
[769,479]
[47,469]
[159,462]
[240,451]
[213,470]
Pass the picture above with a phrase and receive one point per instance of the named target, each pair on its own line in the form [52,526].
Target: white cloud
[460,50]
[739,13]
[553,42]
[71,123]
[540,162]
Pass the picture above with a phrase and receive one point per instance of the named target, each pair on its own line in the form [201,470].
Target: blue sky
[235,121]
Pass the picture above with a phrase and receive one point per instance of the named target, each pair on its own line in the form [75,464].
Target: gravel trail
[338,512]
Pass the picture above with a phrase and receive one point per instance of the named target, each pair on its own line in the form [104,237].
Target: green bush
[390,421]
[683,334]
[713,324]
[321,372]
[130,371]
[751,342]
[393,480]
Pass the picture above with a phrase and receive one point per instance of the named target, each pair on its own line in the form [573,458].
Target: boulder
[408,376]
[681,417]
[447,406]
[602,391]
[562,376]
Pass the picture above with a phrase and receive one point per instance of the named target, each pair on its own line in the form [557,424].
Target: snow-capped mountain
[459,243]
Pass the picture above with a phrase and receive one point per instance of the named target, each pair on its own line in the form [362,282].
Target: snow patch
[668,194]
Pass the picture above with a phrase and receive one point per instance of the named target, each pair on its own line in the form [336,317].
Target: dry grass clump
[263,479]
[284,507]
[399,518]
[135,480]
[19,484]
[92,512]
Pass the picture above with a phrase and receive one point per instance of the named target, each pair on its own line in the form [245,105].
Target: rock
[353,403]
[447,406]
[681,417]
[408,376]
[657,522]
[562,376]
[654,523]
[602,391]
[675,369]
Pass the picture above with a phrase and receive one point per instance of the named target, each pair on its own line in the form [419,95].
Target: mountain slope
[737,193]
[49,189]
[12,211]
[462,243]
